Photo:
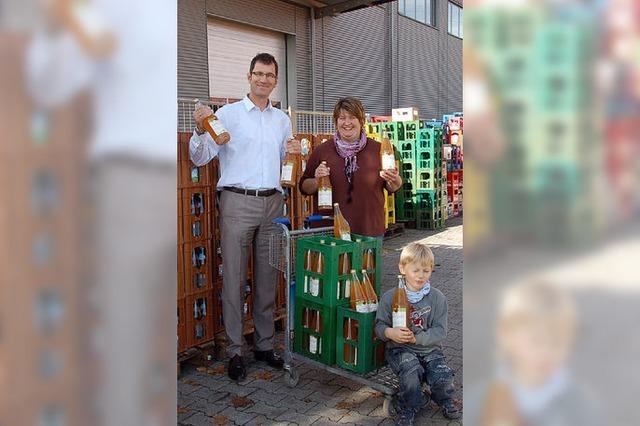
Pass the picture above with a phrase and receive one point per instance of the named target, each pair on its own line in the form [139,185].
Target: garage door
[231,48]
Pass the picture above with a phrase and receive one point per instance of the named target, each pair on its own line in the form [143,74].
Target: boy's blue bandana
[416,296]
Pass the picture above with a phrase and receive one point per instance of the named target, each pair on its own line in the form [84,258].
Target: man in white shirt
[250,198]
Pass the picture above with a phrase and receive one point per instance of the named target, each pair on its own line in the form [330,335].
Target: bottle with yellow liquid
[370,293]
[341,228]
[315,342]
[368,259]
[358,303]
[358,298]
[325,195]
[290,166]
[400,309]
[309,265]
[387,157]
[214,127]
[350,332]
[88,25]
[314,282]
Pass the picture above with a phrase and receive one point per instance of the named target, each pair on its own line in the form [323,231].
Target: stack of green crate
[316,306]
[430,199]
[406,133]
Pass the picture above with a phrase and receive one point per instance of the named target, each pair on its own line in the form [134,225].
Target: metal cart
[282,257]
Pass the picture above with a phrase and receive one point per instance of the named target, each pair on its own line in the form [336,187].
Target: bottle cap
[353,271]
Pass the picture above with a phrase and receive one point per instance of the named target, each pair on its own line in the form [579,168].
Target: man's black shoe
[270,357]
[236,368]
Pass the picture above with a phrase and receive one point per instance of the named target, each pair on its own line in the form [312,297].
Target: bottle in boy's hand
[400,306]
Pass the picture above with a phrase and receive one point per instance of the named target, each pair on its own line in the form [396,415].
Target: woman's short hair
[350,105]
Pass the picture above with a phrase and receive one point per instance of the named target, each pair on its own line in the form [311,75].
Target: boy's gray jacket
[429,323]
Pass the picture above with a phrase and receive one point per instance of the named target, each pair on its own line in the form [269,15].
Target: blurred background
[551,231]
[87,212]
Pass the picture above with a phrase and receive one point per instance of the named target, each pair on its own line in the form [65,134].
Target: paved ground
[206,396]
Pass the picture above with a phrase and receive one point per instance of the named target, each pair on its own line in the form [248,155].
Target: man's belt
[253,192]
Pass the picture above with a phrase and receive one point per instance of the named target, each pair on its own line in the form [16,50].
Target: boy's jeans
[413,370]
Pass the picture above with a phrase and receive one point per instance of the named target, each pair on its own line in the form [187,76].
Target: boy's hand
[400,335]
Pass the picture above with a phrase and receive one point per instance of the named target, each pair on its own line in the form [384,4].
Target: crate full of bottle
[357,347]
[323,266]
[315,331]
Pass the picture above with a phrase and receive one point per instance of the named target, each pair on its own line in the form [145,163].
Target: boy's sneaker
[405,418]
[451,411]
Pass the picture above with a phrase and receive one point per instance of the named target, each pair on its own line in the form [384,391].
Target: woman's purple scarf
[349,151]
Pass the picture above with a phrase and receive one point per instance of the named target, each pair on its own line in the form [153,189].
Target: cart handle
[283,221]
[315,218]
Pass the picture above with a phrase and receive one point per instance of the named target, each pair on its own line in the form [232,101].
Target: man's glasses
[260,74]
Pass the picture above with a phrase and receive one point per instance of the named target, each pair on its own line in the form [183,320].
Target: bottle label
[325,197]
[388,162]
[347,288]
[313,344]
[314,287]
[305,146]
[287,172]
[217,126]
[306,284]
[399,318]
[373,307]
[355,356]
[362,307]
[195,175]
[345,236]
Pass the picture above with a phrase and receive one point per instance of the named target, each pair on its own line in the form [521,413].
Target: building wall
[429,65]
[193,65]
[387,60]
[353,48]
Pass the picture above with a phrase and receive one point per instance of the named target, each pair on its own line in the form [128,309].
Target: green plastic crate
[407,211]
[373,127]
[426,179]
[407,171]
[408,130]
[331,283]
[430,199]
[407,151]
[375,273]
[425,220]
[368,350]
[389,128]
[429,138]
[428,160]
[325,341]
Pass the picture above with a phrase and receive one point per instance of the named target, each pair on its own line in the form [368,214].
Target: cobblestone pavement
[206,396]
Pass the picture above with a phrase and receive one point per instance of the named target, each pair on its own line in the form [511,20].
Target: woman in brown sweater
[354,169]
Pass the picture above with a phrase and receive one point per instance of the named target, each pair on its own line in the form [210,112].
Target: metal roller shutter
[354,60]
[231,48]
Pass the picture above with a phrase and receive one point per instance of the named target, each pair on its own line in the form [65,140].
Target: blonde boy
[414,353]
